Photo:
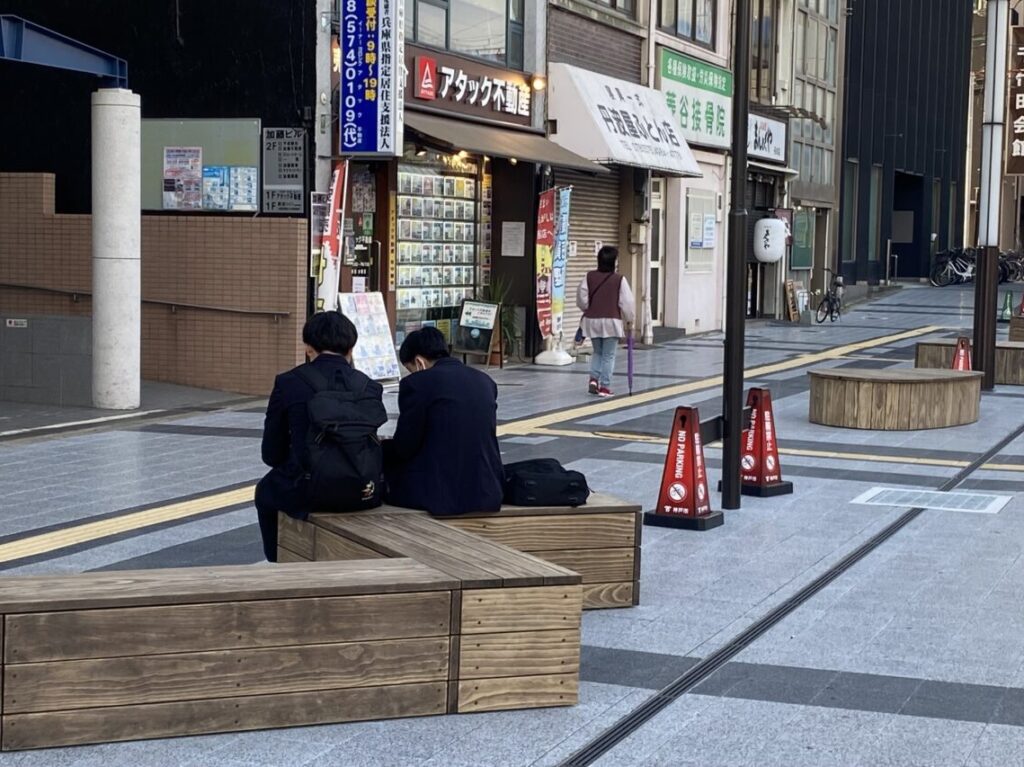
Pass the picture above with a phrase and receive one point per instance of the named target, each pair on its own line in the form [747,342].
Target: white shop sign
[766,139]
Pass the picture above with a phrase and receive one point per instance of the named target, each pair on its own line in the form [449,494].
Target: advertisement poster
[244,182]
[284,170]
[558,261]
[696,230]
[183,178]
[372,83]
[374,355]
[330,251]
[216,191]
[317,221]
[545,243]
[709,230]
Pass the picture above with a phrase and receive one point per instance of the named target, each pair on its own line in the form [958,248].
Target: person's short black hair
[606,258]
[330,332]
[428,343]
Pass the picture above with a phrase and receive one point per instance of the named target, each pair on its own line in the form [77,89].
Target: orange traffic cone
[962,354]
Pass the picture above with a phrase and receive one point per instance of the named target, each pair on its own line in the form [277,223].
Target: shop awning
[497,142]
[616,122]
[785,171]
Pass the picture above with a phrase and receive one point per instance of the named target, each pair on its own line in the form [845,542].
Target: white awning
[784,170]
[616,122]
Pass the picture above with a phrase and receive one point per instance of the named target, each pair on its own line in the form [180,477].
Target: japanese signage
[1015,105]
[371,57]
[684,481]
[284,170]
[243,187]
[558,261]
[699,95]
[183,178]
[329,268]
[614,121]
[545,242]
[766,139]
[461,85]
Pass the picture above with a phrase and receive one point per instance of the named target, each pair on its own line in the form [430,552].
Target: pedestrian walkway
[808,630]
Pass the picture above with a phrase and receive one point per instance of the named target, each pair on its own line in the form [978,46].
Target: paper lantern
[769,240]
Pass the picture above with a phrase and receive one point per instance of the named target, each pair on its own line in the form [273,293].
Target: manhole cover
[975,503]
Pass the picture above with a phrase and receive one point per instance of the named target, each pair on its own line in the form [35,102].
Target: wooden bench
[600,541]
[516,622]
[1009,359]
[98,657]
[894,398]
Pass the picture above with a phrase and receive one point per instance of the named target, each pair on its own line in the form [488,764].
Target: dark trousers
[277,492]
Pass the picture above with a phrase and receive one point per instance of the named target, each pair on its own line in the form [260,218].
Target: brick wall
[586,43]
[221,262]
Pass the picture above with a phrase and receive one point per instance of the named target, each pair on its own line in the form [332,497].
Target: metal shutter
[593,216]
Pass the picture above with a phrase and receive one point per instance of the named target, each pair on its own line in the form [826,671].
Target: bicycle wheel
[824,309]
[835,309]
[942,275]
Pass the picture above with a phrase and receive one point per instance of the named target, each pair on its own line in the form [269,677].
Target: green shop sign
[699,95]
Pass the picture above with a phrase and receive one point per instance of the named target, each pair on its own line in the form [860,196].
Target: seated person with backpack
[444,457]
[320,433]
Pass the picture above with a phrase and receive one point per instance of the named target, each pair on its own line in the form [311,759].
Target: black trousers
[276,492]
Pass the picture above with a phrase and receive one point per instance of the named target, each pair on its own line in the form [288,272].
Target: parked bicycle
[957,266]
[831,305]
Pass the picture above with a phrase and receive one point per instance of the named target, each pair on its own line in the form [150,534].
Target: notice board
[475,331]
[229,161]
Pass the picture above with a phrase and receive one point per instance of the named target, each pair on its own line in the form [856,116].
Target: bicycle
[831,305]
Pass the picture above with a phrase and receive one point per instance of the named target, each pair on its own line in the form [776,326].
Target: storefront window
[439,240]
[690,19]
[491,30]
[701,230]
[762,50]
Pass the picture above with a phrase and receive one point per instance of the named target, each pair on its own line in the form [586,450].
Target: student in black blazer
[444,457]
[329,338]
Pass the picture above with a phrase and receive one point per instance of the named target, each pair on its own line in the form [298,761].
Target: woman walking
[608,305]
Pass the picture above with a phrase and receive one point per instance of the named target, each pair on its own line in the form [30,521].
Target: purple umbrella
[629,360]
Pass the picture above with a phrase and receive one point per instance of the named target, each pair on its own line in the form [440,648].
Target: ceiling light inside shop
[463,154]
[539,82]
[512,160]
[421,151]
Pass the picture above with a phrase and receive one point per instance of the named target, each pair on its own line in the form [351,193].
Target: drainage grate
[974,503]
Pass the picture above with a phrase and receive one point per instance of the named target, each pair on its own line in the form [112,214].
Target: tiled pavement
[913,656]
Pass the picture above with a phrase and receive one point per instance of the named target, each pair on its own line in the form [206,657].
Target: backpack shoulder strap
[316,380]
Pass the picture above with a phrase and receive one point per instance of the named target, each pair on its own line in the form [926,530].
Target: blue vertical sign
[558,261]
[372,57]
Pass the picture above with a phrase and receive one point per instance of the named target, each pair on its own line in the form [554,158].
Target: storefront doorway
[657,251]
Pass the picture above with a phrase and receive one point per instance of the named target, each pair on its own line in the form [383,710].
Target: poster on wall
[545,243]
[284,170]
[330,252]
[709,230]
[696,230]
[371,58]
[243,180]
[183,178]
[216,191]
[374,355]
[318,202]
[558,261]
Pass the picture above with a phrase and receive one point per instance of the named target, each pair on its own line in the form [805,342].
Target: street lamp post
[986,288]
[736,273]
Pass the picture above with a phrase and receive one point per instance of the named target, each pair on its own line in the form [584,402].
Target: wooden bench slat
[554,532]
[188,585]
[499,611]
[294,535]
[598,503]
[595,565]
[327,545]
[75,684]
[608,595]
[106,633]
[522,653]
[518,692]
[161,720]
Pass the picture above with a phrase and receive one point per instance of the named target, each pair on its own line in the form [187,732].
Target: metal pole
[736,273]
[986,287]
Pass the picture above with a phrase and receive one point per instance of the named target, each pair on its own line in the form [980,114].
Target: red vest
[603,289]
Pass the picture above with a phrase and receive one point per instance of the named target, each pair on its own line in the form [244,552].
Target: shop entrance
[657,251]
[762,279]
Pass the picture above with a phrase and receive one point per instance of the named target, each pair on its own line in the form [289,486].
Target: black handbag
[544,482]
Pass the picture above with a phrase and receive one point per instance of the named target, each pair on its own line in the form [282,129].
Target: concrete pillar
[116,248]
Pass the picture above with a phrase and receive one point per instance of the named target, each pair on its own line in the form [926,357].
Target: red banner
[545,244]
[759,464]
[684,483]
[962,354]
[330,241]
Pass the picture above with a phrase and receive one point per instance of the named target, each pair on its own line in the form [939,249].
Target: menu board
[476,327]
[374,352]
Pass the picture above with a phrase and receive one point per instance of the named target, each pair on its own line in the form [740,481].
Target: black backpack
[544,482]
[346,462]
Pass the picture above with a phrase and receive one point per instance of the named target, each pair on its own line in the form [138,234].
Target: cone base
[701,523]
[768,491]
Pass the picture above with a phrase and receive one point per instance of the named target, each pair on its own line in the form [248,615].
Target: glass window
[795,153]
[798,44]
[830,116]
[833,11]
[516,12]
[700,214]
[822,37]
[622,6]
[811,48]
[875,213]
[431,25]
[830,58]
[762,51]
[808,162]
[478,28]
[690,19]
[849,211]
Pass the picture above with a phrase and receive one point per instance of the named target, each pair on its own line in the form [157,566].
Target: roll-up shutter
[593,217]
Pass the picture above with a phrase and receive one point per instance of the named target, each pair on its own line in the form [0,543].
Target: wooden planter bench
[600,541]
[98,657]
[1009,359]
[894,398]
[515,624]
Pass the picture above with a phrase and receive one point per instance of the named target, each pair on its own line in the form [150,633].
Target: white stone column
[116,249]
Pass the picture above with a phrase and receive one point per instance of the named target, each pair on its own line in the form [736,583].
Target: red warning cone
[962,354]
[684,501]
[760,468]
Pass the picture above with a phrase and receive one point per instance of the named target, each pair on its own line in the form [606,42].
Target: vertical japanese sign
[329,270]
[1015,102]
[284,170]
[545,243]
[372,57]
[558,260]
